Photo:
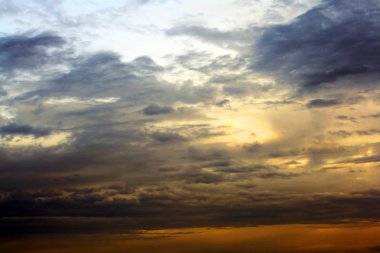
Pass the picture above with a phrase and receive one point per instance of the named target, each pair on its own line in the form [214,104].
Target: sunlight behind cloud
[54,139]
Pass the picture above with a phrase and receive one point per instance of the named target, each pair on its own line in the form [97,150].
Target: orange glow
[279,238]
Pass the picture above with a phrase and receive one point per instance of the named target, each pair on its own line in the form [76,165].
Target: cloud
[368,132]
[367,159]
[335,39]
[234,38]
[102,75]
[207,64]
[346,118]
[320,103]
[17,129]
[212,154]
[162,208]
[26,52]
[225,103]
[203,178]
[341,133]
[344,133]
[155,109]
[165,137]
[146,153]
[253,148]
[9,8]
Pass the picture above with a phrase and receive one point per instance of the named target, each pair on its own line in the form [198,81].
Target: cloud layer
[234,123]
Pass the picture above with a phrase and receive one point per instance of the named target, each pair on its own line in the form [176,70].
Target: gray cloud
[367,159]
[17,129]
[346,118]
[320,103]
[341,133]
[155,109]
[203,178]
[207,64]
[119,166]
[234,39]
[333,40]
[212,154]
[104,74]
[226,103]
[165,137]
[165,208]
[27,51]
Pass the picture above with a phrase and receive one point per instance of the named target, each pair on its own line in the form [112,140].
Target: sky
[185,126]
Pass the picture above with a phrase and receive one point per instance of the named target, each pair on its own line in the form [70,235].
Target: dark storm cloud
[17,129]
[26,52]
[335,39]
[154,109]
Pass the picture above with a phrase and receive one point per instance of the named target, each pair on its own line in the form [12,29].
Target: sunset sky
[189,126]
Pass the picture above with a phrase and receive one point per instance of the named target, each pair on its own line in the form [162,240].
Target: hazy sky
[153,125]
